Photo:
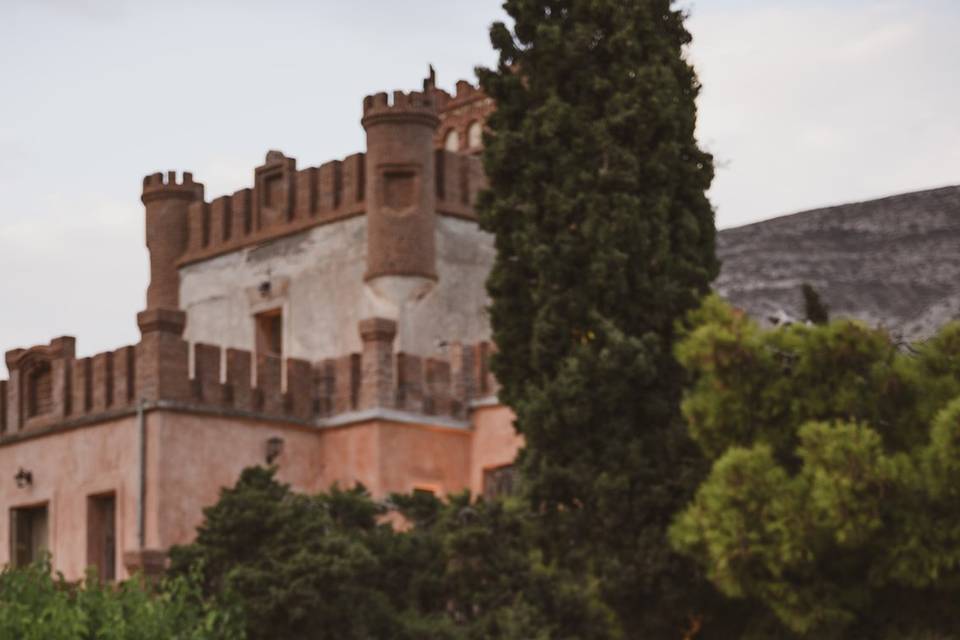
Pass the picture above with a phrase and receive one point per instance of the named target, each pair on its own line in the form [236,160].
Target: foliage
[834,496]
[339,565]
[35,605]
[814,310]
[604,239]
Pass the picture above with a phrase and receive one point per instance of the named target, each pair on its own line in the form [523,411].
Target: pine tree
[833,495]
[605,239]
[331,566]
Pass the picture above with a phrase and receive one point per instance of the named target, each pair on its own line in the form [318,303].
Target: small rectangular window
[269,330]
[102,535]
[29,531]
[499,481]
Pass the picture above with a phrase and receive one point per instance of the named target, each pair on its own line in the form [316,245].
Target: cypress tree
[605,240]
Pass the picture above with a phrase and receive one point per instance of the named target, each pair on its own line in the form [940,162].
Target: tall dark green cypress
[605,239]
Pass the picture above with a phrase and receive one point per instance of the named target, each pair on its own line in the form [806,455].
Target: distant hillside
[893,261]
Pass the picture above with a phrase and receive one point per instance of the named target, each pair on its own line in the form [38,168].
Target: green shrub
[36,605]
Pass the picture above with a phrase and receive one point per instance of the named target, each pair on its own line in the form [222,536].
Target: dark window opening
[29,531]
[499,481]
[269,328]
[102,535]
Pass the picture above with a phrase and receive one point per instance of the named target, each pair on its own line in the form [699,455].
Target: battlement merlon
[157,186]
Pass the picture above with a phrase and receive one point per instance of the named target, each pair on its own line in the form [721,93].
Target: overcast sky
[805,103]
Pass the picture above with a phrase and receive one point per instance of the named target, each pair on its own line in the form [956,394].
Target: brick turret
[166,202]
[401,183]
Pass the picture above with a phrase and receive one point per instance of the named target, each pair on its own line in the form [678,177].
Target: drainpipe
[142,472]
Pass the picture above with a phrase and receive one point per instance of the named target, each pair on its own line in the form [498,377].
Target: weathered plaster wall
[199,454]
[494,443]
[316,276]
[351,455]
[68,468]
[455,310]
[434,458]
[392,457]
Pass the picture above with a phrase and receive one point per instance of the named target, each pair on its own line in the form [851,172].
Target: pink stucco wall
[494,443]
[191,456]
[67,468]
[197,455]
[433,458]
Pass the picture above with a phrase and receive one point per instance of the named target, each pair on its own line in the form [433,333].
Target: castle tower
[401,193]
[166,203]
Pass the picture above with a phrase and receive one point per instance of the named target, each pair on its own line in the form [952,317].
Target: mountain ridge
[892,261]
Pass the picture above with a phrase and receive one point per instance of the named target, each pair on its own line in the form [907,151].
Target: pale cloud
[882,41]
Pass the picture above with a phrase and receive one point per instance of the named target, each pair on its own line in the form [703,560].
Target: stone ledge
[341,420]
[392,415]
[483,403]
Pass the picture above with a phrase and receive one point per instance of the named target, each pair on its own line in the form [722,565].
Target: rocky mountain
[893,262]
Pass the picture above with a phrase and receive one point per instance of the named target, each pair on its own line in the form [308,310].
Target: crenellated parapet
[158,186]
[416,107]
[466,93]
[463,116]
[396,174]
[282,201]
[285,200]
[318,392]
[49,387]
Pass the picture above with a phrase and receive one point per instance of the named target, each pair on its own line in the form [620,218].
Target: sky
[805,103]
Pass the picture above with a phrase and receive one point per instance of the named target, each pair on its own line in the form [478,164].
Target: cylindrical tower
[401,195]
[166,202]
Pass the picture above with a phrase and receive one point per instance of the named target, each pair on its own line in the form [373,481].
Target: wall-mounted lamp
[264,288]
[273,449]
[23,478]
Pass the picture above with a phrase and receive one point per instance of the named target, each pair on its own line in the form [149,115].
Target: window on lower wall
[424,491]
[29,533]
[102,535]
[499,481]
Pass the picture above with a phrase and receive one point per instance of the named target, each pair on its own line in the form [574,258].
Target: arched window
[475,135]
[452,141]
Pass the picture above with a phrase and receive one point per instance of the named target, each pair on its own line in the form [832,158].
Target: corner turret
[401,187]
[166,201]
